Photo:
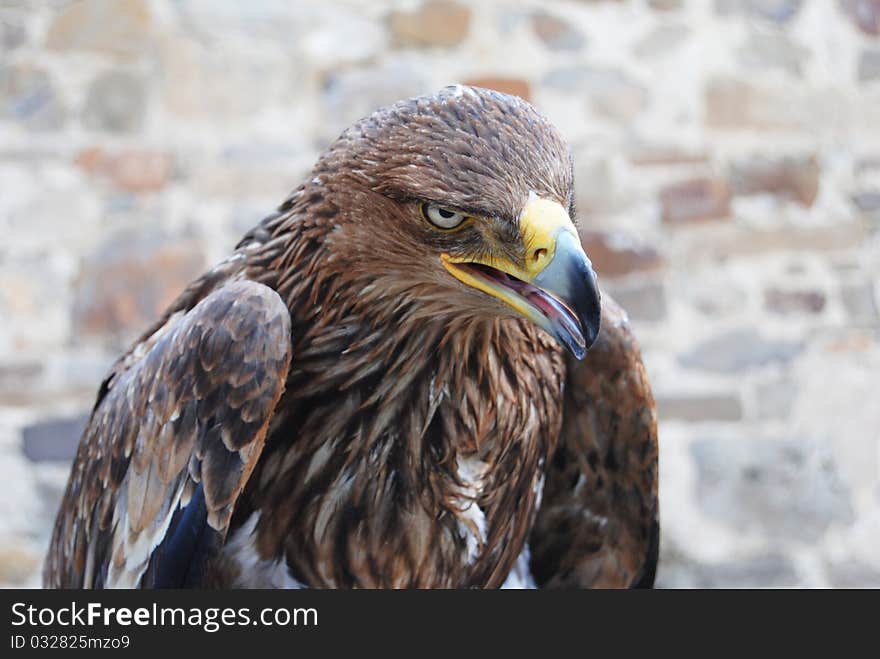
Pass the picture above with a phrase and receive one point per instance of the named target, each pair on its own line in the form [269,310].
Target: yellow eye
[442,218]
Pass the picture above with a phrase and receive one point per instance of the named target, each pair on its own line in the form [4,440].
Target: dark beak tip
[593,327]
[591,316]
[579,349]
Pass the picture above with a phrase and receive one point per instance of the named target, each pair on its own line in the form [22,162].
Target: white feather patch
[137,550]
[253,571]
[471,518]
[520,577]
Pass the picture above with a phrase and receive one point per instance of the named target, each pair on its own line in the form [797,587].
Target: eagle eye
[442,218]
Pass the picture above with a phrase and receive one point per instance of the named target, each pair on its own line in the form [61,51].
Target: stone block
[12,33]
[350,94]
[852,574]
[762,51]
[615,253]
[19,381]
[19,563]
[732,103]
[27,95]
[867,202]
[642,300]
[695,201]
[661,41]
[869,66]
[506,85]
[53,440]
[778,11]
[863,14]
[137,171]
[699,407]
[665,5]
[761,571]
[129,280]
[115,27]
[776,398]
[116,103]
[739,350]
[860,302]
[785,302]
[556,33]
[611,93]
[434,23]
[783,489]
[794,178]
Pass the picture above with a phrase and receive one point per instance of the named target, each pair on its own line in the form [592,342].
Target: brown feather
[598,523]
[418,415]
[174,421]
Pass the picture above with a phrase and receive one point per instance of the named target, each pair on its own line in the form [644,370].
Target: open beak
[555,288]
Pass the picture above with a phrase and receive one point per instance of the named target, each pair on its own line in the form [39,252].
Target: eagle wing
[598,524]
[177,429]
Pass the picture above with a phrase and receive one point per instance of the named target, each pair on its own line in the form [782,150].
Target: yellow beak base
[555,286]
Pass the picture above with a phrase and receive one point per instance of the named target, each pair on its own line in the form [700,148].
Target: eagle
[404,377]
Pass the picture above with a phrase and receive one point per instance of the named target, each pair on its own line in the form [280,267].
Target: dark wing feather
[176,431]
[598,524]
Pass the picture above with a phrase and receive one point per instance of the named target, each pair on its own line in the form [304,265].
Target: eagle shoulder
[172,440]
[598,524]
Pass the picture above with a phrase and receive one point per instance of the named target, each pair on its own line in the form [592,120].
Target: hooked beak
[555,288]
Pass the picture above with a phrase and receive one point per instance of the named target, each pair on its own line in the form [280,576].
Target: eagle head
[463,201]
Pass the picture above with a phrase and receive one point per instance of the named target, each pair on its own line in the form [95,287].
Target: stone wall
[728,180]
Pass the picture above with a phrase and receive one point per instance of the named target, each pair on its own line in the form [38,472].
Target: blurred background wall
[728,179]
